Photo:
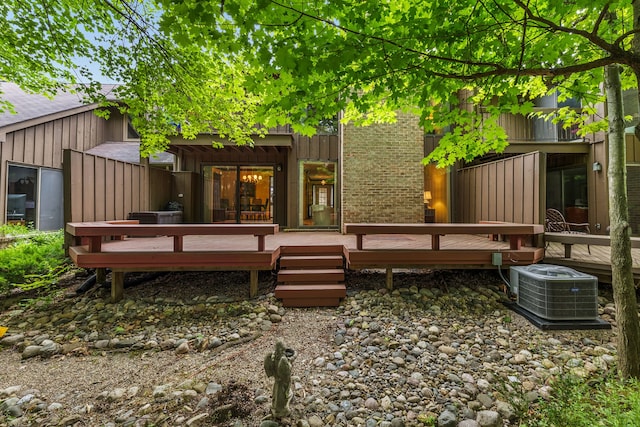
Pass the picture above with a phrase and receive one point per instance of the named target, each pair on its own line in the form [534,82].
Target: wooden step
[320,275]
[312,261]
[312,250]
[333,290]
[311,302]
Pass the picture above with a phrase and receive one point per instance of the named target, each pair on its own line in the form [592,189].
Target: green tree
[226,64]
[163,86]
[370,59]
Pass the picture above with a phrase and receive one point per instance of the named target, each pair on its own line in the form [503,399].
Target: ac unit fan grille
[559,300]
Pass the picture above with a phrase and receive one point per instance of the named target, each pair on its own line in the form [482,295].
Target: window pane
[21,199]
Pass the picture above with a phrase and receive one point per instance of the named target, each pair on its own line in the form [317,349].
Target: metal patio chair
[555,222]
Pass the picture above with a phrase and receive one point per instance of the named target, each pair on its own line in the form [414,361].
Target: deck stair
[311,276]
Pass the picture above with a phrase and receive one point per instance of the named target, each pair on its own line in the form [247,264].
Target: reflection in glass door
[238,194]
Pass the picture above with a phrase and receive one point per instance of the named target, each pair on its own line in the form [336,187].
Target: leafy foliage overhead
[370,58]
[163,86]
[224,65]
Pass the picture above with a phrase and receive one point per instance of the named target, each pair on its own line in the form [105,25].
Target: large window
[34,197]
[317,201]
[567,192]
[243,194]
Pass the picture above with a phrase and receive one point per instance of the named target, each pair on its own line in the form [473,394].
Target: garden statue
[278,365]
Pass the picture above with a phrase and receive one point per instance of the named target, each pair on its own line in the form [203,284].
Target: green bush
[608,402]
[34,261]
[14,230]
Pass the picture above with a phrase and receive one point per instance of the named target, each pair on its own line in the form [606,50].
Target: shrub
[32,262]
[580,403]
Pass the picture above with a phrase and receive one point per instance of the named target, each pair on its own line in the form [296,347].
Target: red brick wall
[382,176]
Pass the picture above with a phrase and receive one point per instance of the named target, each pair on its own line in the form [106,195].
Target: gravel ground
[188,349]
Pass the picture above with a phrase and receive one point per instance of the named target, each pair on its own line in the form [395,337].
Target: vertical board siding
[48,143]
[500,192]
[18,146]
[29,145]
[42,144]
[39,153]
[504,190]
[109,184]
[119,190]
[160,194]
[100,202]
[102,189]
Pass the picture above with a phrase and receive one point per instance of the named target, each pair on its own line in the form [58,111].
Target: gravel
[188,349]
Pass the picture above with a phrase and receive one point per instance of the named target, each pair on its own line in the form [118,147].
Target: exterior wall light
[597,166]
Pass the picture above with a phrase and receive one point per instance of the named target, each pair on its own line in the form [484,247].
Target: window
[130,133]
[328,126]
[34,197]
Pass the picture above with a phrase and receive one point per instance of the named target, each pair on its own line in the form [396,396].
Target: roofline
[47,118]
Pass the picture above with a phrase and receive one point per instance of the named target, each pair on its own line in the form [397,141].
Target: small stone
[183,348]
[12,340]
[447,419]
[213,388]
[489,419]
[371,404]
[194,421]
[315,421]
[116,394]
[55,406]
[506,410]
[160,391]
[31,351]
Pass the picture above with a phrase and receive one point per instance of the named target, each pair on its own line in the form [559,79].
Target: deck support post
[389,278]
[253,283]
[101,275]
[567,250]
[117,285]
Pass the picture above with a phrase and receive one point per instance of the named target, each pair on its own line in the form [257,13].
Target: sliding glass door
[238,194]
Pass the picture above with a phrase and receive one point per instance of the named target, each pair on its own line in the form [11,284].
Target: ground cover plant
[33,260]
[579,402]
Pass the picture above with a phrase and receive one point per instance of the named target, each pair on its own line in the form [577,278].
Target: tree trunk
[624,292]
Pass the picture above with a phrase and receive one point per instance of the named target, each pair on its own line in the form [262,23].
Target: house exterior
[44,142]
[544,166]
[59,162]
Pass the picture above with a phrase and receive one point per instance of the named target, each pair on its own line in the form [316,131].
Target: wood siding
[160,193]
[505,190]
[100,189]
[633,148]
[41,145]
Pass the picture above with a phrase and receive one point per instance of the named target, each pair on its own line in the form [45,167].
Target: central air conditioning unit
[554,292]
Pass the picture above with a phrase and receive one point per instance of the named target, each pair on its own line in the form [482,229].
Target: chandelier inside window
[252,178]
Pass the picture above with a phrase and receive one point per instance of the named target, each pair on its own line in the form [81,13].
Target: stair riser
[310,294]
[311,264]
[311,291]
[312,250]
[311,277]
[311,302]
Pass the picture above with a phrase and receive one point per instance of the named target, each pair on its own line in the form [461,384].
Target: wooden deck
[381,251]
[597,263]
